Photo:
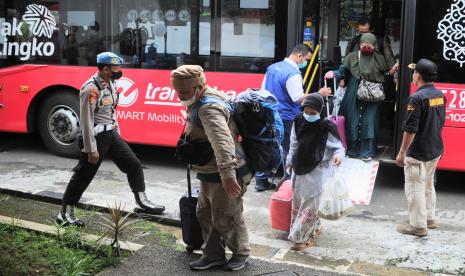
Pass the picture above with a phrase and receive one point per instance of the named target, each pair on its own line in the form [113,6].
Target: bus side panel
[454,150]
[20,84]
[149,111]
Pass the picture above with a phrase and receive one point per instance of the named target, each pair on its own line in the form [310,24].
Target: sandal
[318,232]
[303,246]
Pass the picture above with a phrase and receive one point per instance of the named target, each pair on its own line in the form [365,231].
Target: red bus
[48,49]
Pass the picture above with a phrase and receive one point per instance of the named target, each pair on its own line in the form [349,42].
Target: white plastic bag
[338,96]
[335,202]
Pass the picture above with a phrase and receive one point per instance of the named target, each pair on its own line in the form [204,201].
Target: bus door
[340,34]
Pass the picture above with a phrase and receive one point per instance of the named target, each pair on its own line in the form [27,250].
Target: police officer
[421,148]
[100,137]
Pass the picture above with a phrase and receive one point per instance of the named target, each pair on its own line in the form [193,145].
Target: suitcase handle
[327,100]
[334,101]
[189,188]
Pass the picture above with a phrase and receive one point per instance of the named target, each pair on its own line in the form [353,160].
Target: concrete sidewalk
[365,241]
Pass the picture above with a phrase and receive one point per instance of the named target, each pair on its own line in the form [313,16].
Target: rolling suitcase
[280,207]
[191,231]
[339,120]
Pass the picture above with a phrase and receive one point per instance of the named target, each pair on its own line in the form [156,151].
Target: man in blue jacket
[284,80]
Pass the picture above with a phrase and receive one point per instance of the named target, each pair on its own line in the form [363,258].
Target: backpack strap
[194,116]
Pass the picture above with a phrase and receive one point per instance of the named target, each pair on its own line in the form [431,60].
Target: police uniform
[100,133]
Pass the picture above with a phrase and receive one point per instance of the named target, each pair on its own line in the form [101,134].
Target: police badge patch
[93,95]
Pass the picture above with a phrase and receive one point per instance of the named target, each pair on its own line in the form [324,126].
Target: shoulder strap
[359,68]
[194,116]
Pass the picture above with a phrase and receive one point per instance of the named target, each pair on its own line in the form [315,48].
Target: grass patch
[396,261]
[24,252]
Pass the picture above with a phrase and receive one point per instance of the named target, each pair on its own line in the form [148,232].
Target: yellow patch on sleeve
[93,95]
[410,107]
[436,102]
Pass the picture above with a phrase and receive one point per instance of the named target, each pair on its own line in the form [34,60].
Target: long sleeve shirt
[96,107]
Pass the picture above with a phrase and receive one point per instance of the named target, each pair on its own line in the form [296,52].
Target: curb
[86,206]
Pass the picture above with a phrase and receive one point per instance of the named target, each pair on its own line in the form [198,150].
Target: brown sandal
[303,246]
[318,232]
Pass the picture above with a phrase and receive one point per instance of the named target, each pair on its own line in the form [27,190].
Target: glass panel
[248,28]
[205,28]
[83,32]
[442,32]
[162,33]
[52,32]
[247,40]
[351,12]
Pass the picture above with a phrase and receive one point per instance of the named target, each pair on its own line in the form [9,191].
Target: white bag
[335,202]
[338,96]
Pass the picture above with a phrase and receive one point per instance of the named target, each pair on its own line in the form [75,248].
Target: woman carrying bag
[366,71]
[315,149]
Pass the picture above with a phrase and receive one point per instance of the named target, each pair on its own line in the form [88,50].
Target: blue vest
[276,76]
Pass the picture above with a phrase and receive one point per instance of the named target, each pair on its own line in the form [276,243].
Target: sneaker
[408,229]
[66,217]
[237,262]
[432,224]
[263,185]
[367,158]
[203,264]
[146,206]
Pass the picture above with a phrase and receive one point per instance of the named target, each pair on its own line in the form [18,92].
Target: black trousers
[109,143]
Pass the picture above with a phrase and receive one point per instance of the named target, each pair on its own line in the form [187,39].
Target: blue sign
[308,34]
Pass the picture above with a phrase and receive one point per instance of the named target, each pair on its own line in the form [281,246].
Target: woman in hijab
[362,118]
[314,151]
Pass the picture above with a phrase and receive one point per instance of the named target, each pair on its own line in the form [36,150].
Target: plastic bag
[335,202]
[337,99]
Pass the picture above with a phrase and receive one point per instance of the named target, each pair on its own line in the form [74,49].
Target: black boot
[146,206]
[67,218]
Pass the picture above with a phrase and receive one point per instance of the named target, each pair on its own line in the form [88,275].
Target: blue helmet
[109,58]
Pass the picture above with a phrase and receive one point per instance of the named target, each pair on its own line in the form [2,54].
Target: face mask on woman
[367,50]
[311,118]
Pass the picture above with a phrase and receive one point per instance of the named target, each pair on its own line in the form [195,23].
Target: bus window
[449,52]
[54,32]
[247,35]
[161,34]
[83,32]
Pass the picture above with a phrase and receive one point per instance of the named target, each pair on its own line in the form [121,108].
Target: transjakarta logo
[154,95]
[127,92]
[41,23]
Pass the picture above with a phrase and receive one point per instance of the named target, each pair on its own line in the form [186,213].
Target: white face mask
[191,101]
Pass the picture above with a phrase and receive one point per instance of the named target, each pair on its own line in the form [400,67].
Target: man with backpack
[284,80]
[211,145]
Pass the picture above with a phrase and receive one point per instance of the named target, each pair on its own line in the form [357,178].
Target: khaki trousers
[220,218]
[420,192]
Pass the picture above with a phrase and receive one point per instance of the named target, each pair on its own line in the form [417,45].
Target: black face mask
[116,75]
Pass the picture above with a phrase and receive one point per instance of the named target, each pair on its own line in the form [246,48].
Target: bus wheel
[59,123]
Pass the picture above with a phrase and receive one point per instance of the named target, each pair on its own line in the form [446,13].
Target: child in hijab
[314,151]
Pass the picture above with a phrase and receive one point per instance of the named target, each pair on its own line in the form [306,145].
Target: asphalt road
[160,163]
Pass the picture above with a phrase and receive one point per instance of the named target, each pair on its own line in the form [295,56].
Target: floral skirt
[304,219]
